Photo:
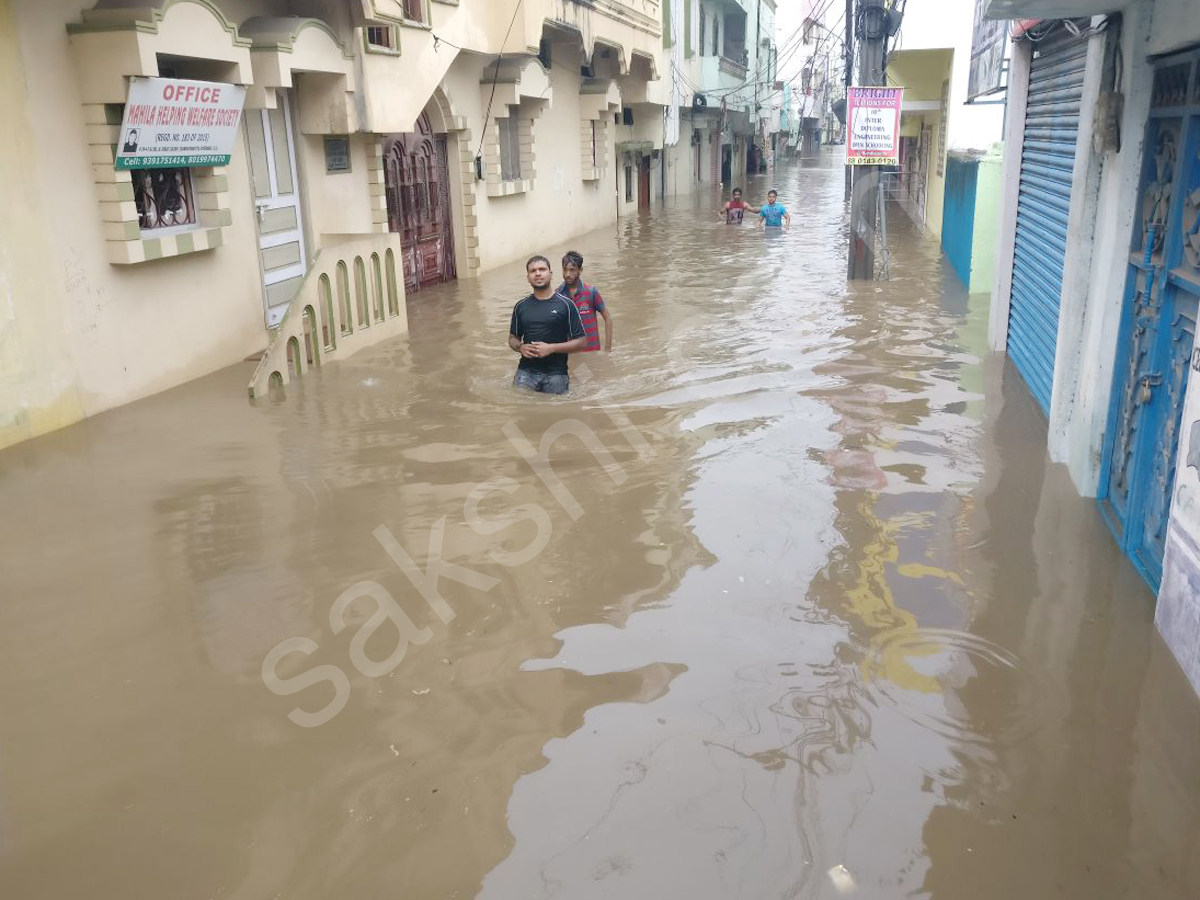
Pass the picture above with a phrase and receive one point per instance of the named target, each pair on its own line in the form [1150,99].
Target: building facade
[932,65]
[723,62]
[382,146]
[1098,273]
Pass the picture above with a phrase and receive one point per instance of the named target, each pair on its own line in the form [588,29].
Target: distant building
[723,62]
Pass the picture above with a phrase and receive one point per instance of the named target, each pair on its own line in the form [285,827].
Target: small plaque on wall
[337,153]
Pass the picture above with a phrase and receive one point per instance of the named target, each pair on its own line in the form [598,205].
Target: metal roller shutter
[1047,161]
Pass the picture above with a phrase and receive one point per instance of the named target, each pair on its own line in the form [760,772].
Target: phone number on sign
[161,162]
[871,160]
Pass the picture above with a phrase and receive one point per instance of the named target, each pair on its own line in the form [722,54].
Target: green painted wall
[987,221]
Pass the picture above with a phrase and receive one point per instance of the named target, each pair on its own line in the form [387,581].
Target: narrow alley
[826,623]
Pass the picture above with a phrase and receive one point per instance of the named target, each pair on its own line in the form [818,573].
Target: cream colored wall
[336,202]
[634,24]
[680,160]
[561,205]
[38,382]
[105,334]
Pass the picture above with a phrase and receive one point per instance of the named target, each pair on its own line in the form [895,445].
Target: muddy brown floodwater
[838,629]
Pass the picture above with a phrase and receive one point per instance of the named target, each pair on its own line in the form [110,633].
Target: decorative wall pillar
[377,185]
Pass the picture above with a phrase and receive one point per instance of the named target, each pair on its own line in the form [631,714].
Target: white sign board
[170,122]
[874,126]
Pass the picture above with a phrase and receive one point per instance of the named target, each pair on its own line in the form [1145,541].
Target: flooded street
[826,623]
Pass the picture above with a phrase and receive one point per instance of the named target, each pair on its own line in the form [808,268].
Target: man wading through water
[545,327]
[773,215]
[587,300]
[736,209]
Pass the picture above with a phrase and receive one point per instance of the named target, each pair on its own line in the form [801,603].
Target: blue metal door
[1159,326]
[1040,245]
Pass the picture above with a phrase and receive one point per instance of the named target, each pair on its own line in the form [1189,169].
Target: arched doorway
[417,180]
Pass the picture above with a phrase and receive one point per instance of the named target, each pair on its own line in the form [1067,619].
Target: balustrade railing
[351,297]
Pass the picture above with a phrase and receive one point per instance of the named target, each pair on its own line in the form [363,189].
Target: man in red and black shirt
[735,210]
[587,300]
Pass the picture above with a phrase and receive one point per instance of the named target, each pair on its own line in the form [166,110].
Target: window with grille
[629,184]
[510,148]
[164,198]
[703,29]
[595,154]
[383,36]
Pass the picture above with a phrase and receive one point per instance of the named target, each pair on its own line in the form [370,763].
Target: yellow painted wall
[935,190]
[922,74]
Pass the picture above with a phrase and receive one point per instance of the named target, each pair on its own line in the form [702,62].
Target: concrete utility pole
[864,200]
[849,48]
[757,69]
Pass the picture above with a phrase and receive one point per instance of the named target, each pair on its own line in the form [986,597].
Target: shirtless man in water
[736,208]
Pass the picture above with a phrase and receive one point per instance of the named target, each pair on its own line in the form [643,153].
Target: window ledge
[509,188]
[382,49]
[413,23]
[591,174]
[125,253]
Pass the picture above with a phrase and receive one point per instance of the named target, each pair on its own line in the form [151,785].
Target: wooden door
[273,177]
[416,177]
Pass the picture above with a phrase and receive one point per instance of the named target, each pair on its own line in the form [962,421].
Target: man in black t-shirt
[545,327]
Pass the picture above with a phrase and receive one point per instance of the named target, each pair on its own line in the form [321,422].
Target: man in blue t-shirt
[773,215]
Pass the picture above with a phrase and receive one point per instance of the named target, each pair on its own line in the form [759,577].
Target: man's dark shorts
[543,382]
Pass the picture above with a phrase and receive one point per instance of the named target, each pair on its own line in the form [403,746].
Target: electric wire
[496,78]
[724,92]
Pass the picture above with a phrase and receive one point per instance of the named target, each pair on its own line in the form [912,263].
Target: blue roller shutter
[1047,161]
